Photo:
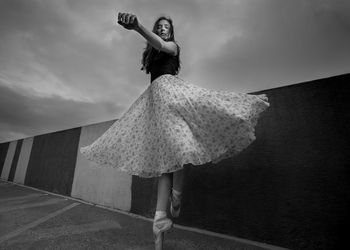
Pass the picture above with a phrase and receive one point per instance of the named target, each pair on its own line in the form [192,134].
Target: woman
[173,123]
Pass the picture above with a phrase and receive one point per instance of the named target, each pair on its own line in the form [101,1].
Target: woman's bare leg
[178,180]
[164,187]
[161,222]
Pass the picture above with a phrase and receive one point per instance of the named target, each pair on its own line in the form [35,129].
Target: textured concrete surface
[105,186]
[31,219]
[52,161]
[15,160]
[23,160]
[8,161]
[3,153]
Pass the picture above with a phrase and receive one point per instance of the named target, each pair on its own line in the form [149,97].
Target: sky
[66,63]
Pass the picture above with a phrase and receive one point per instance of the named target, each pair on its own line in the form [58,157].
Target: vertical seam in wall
[15,160]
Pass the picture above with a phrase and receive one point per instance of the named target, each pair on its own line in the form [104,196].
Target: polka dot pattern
[173,123]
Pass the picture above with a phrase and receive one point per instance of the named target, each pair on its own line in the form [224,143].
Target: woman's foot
[175,203]
[161,224]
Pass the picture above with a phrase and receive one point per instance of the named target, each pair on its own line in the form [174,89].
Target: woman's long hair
[150,53]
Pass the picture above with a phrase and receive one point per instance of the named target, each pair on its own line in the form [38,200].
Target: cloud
[64,58]
[26,115]
[285,43]
[51,41]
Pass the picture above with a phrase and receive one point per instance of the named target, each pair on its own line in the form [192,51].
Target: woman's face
[163,29]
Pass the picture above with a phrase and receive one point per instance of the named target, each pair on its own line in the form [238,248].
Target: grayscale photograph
[174,124]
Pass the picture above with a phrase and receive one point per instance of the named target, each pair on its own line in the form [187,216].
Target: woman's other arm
[130,22]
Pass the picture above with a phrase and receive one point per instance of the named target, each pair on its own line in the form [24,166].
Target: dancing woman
[173,123]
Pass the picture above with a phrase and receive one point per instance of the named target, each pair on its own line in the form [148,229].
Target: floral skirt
[174,123]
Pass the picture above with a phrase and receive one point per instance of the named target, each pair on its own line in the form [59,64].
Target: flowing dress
[173,123]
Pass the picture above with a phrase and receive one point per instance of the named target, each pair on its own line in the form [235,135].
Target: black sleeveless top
[163,63]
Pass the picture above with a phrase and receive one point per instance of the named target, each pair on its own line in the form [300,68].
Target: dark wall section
[291,186]
[144,196]
[15,160]
[3,152]
[52,161]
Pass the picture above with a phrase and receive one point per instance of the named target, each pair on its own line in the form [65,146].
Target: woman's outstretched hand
[128,21]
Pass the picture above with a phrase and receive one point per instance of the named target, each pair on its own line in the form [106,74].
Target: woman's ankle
[176,193]
[159,215]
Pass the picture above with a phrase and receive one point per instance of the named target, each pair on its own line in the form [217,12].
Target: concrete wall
[3,153]
[23,160]
[105,186]
[52,161]
[8,160]
[15,160]
[289,188]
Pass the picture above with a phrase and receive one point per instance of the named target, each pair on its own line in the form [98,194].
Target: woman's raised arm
[130,22]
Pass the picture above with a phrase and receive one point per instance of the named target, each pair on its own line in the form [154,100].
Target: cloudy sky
[66,63]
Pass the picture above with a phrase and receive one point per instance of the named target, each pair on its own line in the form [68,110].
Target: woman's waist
[166,77]
[156,75]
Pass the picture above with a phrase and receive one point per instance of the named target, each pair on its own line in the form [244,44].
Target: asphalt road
[33,219]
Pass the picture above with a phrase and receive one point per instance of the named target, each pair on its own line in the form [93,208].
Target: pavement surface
[34,219]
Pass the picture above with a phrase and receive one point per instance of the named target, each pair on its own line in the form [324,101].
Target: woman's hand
[128,21]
